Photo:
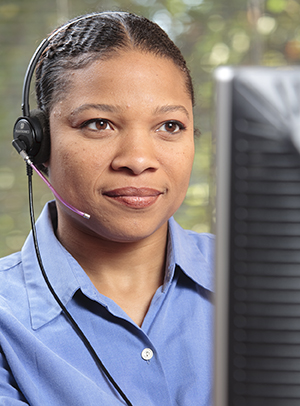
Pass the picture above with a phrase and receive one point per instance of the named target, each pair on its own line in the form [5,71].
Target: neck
[128,273]
[96,255]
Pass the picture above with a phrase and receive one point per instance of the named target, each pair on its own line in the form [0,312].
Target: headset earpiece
[33,131]
[43,153]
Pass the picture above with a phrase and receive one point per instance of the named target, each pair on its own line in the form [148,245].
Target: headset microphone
[21,148]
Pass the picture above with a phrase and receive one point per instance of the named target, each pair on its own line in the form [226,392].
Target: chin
[135,231]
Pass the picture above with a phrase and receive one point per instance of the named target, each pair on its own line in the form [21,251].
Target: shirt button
[147,354]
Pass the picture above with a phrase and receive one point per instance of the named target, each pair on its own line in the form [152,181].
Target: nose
[135,153]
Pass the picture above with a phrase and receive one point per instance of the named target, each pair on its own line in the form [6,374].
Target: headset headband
[28,76]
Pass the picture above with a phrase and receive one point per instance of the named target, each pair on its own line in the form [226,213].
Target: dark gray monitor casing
[257,319]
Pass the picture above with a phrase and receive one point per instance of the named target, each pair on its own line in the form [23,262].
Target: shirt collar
[185,249]
[193,253]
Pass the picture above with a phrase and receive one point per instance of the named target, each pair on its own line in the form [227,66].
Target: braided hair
[99,36]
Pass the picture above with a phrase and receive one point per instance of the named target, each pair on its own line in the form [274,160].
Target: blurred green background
[209,32]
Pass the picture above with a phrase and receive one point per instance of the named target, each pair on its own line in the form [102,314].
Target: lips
[133,197]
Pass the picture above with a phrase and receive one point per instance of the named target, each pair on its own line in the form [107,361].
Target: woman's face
[122,146]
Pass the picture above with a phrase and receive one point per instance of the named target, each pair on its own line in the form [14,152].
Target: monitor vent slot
[264,341]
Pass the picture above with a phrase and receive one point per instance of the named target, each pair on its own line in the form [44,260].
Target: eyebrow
[171,108]
[102,107]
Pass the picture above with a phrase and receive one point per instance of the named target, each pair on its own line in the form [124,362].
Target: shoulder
[14,303]
[10,262]
[11,277]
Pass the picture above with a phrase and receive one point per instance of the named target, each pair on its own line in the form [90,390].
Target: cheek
[66,163]
[77,166]
[181,168]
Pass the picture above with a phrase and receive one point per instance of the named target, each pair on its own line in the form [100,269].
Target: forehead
[129,75]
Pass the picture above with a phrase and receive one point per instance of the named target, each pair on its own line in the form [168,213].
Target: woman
[118,99]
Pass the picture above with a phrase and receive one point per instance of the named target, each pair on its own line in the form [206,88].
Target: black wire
[75,326]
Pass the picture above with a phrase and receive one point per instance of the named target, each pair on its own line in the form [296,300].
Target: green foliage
[209,32]
[276,6]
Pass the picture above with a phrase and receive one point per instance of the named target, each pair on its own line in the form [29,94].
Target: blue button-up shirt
[43,361]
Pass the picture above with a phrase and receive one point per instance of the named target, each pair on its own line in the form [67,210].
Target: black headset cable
[75,326]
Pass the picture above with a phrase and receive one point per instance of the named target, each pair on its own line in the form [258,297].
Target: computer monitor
[257,319]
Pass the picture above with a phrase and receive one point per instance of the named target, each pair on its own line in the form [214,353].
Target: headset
[31,139]
[31,130]
[31,134]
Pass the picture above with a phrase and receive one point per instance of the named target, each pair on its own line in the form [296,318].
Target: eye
[97,124]
[171,127]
